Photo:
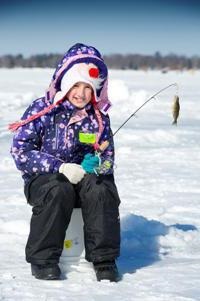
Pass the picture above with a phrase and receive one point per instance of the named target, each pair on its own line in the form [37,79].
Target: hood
[80,53]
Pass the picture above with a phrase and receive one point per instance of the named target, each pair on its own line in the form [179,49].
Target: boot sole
[50,277]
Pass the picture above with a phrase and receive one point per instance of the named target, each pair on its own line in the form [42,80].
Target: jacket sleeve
[26,146]
[108,156]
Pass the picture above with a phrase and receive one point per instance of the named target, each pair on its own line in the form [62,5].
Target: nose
[81,92]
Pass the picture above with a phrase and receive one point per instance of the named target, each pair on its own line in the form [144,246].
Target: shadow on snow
[140,242]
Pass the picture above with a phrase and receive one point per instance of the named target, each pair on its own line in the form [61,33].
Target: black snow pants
[53,198]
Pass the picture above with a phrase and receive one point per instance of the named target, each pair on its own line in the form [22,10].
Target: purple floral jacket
[42,145]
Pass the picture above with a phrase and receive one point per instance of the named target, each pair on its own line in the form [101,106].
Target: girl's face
[80,94]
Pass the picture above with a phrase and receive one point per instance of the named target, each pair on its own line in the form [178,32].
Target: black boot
[106,270]
[46,272]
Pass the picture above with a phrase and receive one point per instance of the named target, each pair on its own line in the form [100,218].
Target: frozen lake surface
[157,174]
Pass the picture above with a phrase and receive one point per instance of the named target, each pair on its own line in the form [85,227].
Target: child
[64,148]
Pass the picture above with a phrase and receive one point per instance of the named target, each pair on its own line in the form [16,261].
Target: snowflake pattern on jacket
[42,145]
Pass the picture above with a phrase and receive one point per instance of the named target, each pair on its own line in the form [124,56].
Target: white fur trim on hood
[78,73]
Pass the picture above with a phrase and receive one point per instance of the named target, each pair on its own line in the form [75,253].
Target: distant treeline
[114,61]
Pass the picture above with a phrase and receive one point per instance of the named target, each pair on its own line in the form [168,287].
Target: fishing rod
[107,163]
[152,97]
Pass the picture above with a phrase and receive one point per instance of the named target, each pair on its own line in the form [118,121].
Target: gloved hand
[90,162]
[74,172]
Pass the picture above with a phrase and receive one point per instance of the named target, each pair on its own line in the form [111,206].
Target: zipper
[56,142]
[65,135]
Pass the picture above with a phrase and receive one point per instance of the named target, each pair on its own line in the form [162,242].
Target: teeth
[79,99]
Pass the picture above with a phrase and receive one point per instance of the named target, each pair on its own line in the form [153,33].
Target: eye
[75,86]
[88,87]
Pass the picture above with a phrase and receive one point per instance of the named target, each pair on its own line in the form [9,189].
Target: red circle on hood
[94,72]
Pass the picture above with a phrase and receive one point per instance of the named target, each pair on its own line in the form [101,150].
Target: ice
[157,174]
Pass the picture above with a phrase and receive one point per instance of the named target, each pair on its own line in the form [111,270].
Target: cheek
[70,94]
[89,94]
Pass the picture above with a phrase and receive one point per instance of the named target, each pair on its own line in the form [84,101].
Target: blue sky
[35,27]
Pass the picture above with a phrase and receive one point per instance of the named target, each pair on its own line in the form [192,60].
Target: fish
[175,109]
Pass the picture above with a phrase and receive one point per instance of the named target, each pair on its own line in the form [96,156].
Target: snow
[157,174]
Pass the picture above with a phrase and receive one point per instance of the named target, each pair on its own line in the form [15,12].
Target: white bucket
[74,242]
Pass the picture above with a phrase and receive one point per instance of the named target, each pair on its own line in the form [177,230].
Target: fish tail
[174,122]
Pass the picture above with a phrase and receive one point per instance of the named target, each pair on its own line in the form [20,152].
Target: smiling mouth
[79,99]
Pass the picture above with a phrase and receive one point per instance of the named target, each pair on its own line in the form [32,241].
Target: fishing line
[152,97]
